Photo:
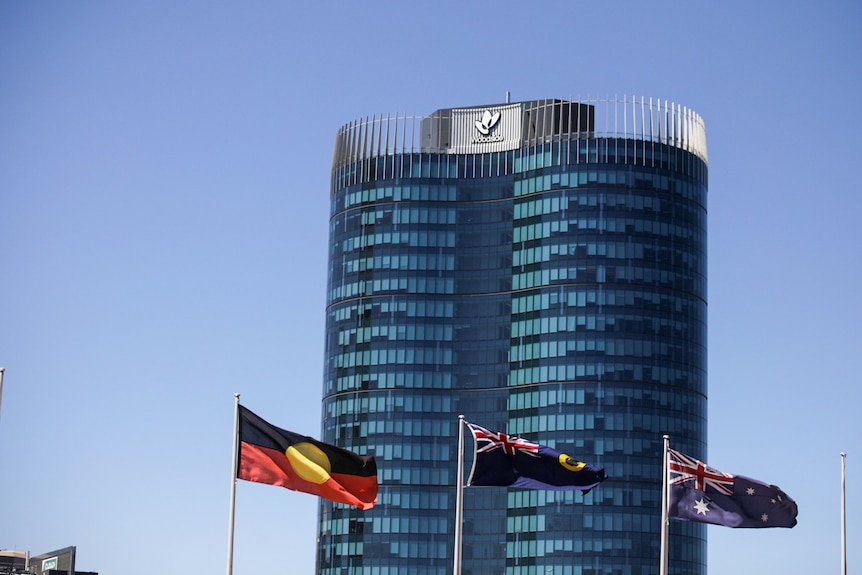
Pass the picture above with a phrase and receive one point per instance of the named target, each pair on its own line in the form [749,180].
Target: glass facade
[552,286]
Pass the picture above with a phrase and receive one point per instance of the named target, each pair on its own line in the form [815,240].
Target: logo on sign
[48,564]
[485,125]
[487,122]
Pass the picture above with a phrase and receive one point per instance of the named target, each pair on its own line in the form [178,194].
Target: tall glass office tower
[540,268]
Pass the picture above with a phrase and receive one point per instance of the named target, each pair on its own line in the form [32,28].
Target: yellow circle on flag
[570,463]
[309,462]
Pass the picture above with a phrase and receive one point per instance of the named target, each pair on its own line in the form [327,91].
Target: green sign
[49,564]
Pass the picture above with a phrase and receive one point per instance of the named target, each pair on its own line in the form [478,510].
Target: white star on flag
[701,506]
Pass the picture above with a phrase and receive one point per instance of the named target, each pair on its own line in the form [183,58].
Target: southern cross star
[764,518]
[701,506]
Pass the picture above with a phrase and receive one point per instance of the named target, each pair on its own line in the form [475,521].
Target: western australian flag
[706,495]
[508,460]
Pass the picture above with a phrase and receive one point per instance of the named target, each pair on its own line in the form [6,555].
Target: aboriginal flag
[274,456]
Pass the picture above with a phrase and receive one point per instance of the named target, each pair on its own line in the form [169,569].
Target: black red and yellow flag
[275,456]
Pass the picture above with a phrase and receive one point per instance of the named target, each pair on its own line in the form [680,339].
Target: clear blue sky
[164,182]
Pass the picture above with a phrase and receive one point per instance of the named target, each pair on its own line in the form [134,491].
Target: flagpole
[2,371]
[459,497]
[233,485]
[665,522]
[843,520]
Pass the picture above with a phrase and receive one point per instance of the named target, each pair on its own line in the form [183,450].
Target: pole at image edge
[843,520]
[459,497]
[2,371]
[665,522]
[233,486]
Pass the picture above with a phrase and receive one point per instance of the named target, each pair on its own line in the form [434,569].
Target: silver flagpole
[2,371]
[843,520]
[665,522]
[459,497]
[233,486]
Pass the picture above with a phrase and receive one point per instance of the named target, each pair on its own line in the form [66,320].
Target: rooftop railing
[639,119]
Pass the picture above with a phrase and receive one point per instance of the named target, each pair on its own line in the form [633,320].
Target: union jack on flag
[488,441]
[683,468]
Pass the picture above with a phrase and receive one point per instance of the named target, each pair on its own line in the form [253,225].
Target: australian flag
[706,495]
[508,460]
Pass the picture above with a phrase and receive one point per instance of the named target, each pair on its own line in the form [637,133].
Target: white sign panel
[488,129]
[48,564]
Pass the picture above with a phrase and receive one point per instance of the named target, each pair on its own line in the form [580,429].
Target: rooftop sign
[487,129]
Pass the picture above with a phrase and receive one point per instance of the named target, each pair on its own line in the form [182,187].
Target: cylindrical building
[540,268]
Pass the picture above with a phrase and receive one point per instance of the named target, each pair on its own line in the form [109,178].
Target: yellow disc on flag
[309,462]
[570,463]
